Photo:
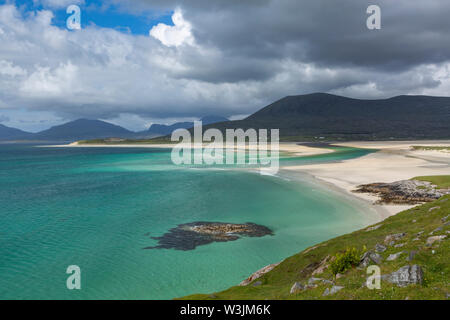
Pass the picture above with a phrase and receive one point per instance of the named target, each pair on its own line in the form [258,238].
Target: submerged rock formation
[404,192]
[190,235]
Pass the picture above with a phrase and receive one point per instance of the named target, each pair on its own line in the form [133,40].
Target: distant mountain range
[161,129]
[332,117]
[83,129]
[7,133]
[304,117]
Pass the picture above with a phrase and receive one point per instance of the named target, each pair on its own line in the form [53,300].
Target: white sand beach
[393,162]
[288,147]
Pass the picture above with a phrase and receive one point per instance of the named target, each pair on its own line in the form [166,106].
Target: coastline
[394,161]
[291,148]
[366,205]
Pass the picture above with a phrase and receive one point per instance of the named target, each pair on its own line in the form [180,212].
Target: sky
[138,62]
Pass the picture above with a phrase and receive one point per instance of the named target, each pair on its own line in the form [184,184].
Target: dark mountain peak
[162,129]
[8,133]
[338,117]
[83,129]
[315,94]
[85,120]
[209,119]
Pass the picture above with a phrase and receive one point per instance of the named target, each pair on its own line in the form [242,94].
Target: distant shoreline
[395,160]
[289,147]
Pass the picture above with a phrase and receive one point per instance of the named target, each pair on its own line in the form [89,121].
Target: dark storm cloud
[239,55]
[327,33]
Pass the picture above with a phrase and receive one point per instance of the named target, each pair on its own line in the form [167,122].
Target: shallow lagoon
[99,207]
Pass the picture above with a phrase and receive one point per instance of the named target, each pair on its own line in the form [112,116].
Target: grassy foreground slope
[418,224]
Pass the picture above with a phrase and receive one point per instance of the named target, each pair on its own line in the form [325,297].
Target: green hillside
[322,116]
[418,225]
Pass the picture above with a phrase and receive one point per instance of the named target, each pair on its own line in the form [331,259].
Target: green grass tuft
[442,182]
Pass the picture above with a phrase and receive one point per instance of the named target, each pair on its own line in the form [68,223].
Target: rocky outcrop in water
[404,192]
[190,235]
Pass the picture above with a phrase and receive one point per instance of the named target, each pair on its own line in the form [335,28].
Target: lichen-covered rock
[258,274]
[380,248]
[313,281]
[393,237]
[297,287]
[322,266]
[373,228]
[331,291]
[369,257]
[436,230]
[405,276]
[394,256]
[433,239]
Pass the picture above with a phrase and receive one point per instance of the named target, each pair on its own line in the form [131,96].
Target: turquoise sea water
[97,208]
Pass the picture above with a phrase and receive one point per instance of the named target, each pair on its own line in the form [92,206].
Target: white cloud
[9,69]
[45,82]
[103,73]
[176,35]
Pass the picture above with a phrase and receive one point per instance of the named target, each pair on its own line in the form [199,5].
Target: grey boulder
[394,256]
[369,257]
[380,248]
[405,276]
[331,291]
[296,287]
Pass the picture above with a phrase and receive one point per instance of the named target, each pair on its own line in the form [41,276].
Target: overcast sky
[135,62]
